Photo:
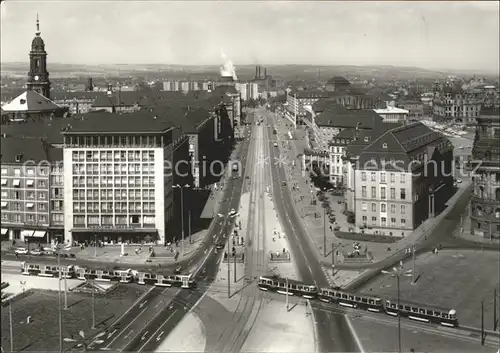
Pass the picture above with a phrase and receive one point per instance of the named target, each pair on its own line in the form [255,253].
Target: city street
[334,331]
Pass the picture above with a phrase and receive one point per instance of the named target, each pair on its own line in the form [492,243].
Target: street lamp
[398,272]
[232,214]
[182,213]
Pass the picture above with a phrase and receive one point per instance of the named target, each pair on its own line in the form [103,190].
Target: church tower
[38,76]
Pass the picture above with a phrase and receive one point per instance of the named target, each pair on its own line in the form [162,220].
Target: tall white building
[116,179]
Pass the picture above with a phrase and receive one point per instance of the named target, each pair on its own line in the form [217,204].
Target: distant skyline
[433,35]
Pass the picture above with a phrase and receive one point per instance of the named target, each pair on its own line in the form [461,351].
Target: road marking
[142,304]
[112,333]
[126,327]
[128,334]
[355,335]
[158,338]
[159,328]
[144,335]
[160,303]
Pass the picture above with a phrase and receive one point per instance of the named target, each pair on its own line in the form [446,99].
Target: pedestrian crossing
[328,274]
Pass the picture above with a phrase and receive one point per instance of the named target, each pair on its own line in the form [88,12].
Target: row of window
[383,207]
[109,194]
[81,207]
[30,206]
[30,171]
[113,220]
[108,180]
[392,177]
[383,194]
[20,195]
[108,168]
[113,155]
[30,218]
[383,222]
[28,183]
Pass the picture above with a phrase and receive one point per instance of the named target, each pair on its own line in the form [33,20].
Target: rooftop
[31,101]
[391,110]
[104,122]
[30,148]
[338,116]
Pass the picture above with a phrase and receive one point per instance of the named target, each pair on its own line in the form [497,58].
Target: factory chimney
[256,71]
[118,96]
[265,72]
[259,73]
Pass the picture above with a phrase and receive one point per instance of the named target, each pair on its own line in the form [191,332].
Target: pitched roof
[360,139]
[309,94]
[29,148]
[127,99]
[402,144]
[104,122]
[338,116]
[30,101]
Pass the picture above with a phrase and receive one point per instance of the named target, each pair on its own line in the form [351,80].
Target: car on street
[220,245]
[458,181]
[21,251]
[276,144]
[36,252]
[178,270]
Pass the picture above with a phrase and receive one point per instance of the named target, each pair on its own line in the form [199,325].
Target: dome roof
[37,43]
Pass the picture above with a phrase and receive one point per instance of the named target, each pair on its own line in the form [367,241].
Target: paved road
[333,331]
[149,336]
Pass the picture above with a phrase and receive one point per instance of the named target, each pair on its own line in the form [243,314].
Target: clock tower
[38,76]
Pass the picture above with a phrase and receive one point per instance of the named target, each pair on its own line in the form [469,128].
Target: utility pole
[495,309]
[482,323]
[228,269]
[333,259]
[60,302]
[413,272]
[65,293]
[93,304]
[182,221]
[399,318]
[324,230]
[235,268]
[287,294]
[11,328]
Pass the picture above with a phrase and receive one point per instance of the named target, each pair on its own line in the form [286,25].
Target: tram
[67,271]
[287,286]
[422,313]
[351,300]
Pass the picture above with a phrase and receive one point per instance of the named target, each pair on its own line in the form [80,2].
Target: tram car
[287,286]
[183,281]
[67,271]
[351,300]
[422,313]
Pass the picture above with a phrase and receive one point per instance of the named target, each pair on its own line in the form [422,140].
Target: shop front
[115,237]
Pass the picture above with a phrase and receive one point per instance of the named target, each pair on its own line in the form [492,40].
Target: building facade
[455,105]
[415,109]
[485,202]
[393,114]
[402,178]
[25,189]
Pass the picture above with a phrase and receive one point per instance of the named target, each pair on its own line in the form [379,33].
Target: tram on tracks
[122,276]
[413,311]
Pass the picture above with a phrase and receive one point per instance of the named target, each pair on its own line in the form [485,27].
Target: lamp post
[95,245]
[178,186]
[11,328]
[60,301]
[231,216]
[397,273]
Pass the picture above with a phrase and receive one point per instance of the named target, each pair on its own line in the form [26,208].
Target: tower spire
[37,26]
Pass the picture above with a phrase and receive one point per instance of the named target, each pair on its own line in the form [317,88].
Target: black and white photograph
[226,176]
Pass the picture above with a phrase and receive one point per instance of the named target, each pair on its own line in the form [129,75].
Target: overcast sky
[425,34]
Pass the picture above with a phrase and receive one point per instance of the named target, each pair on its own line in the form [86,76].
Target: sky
[442,35]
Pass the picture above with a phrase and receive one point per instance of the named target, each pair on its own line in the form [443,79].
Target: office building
[402,178]
[485,202]
[391,114]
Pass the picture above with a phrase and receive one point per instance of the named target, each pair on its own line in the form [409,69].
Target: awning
[39,233]
[4,203]
[29,182]
[16,182]
[4,181]
[4,231]
[27,233]
[30,205]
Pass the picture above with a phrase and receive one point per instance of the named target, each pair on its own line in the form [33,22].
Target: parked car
[220,245]
[36,252]
[276,144]
[21,251]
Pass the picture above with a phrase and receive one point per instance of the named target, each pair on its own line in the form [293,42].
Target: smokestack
[259,72]
[265,72]
[256,71]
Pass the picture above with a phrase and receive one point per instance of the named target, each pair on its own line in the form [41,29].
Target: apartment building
[485,202]
[402,178]
[25,188]
[455,105]
[77,102]
[414,107]
[118,178]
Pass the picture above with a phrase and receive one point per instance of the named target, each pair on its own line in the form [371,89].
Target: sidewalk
[306,192]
